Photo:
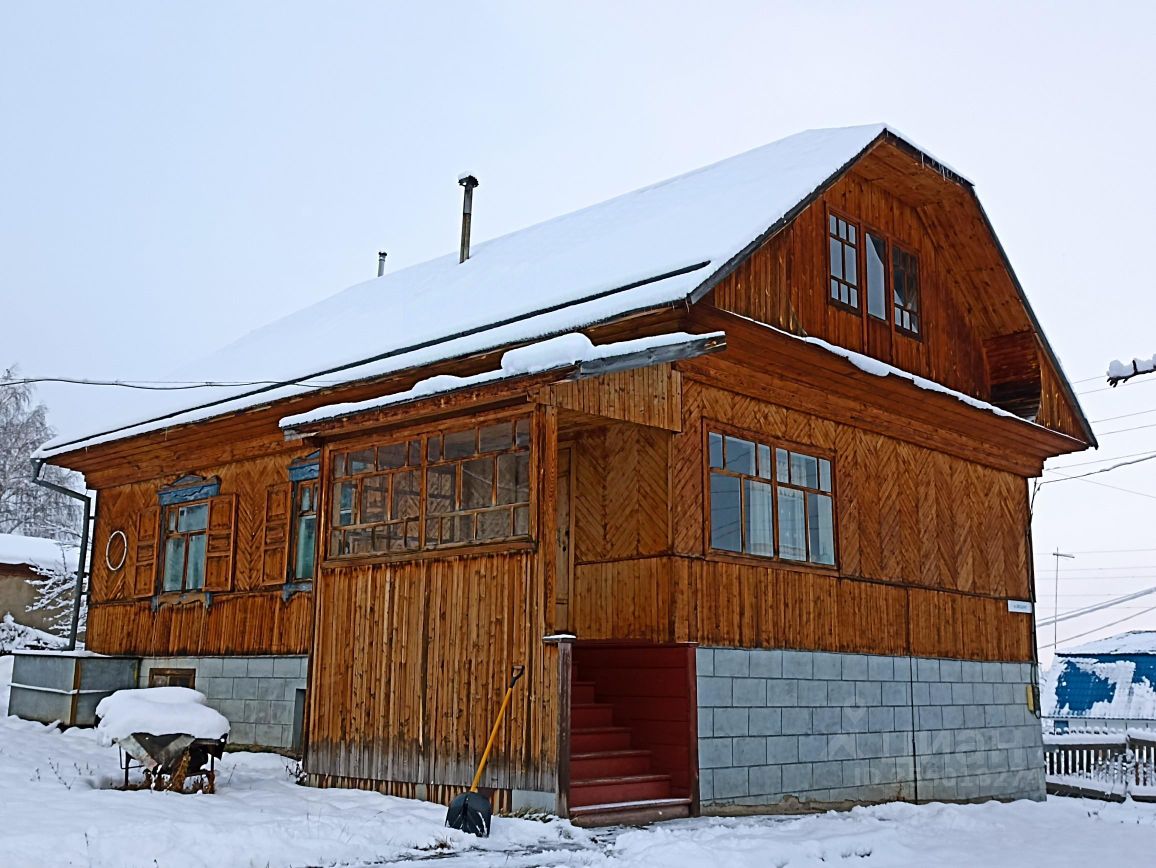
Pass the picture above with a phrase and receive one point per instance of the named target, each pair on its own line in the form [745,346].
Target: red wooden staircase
[612,778]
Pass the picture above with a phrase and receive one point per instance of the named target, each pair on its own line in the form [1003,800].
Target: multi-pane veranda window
[770,501]
[442,489]
[185,527]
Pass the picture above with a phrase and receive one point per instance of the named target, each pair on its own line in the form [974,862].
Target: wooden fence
[1111,765]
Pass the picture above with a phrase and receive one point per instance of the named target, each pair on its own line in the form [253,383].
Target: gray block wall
[257,694]
[831,728]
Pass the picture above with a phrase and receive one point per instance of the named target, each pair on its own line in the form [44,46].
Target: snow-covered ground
[56,809]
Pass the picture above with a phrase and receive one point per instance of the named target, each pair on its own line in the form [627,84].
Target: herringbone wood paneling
[928,545]
[239,620]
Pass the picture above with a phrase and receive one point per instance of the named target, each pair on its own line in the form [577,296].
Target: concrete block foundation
[261,696]
[834,728]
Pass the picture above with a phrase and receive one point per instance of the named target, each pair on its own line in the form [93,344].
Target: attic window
[905,286]
[877,263]
[843,246]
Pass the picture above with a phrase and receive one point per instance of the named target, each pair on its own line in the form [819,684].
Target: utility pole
[1057,554]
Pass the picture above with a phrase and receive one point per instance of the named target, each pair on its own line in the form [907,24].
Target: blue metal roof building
[1107,680]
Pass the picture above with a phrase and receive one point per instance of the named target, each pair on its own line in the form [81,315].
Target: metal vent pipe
[468,182]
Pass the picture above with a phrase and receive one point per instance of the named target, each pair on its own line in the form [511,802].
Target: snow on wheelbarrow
[168,731]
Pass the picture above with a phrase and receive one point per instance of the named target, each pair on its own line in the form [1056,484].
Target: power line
[1102,552]
[1114,388]
[157,385]
[1101,627]
[1123,416]
[1102,469]
[1103,461]
[1101,484]
[1126,430]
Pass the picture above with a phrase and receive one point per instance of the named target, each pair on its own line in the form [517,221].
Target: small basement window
[159,677]
[770,501]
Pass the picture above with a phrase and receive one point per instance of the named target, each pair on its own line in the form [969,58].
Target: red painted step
[630,813]
[626,788]
[581,692]
[599,738]
[609,763]
[583,715]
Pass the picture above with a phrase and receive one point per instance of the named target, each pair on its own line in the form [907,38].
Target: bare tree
[27,508]
[56,590]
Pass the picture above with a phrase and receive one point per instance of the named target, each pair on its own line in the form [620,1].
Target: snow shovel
[471,811]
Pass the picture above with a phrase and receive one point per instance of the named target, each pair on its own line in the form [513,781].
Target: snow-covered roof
[564,351]
[643,250]
[1134,642]
[36,552]
[1095,688]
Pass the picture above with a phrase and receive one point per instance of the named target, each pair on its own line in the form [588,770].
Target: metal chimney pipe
[381,254]
[468,182]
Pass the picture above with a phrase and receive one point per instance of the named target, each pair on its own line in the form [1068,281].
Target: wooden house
[735,465]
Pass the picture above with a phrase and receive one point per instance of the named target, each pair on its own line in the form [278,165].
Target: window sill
[506,546]
[291,588]
[843,306]
[772,563]
[180,598]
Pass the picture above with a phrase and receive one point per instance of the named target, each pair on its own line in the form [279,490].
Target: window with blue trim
[185,526]
[303,528]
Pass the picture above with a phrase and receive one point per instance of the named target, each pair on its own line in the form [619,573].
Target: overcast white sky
[173,175]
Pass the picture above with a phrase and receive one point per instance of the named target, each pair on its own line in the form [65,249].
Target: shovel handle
[518,671]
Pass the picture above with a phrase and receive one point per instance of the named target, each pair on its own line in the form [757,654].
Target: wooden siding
[245,614]
[411,659]
[245,623]
[648,396]
[928,574]
[621,493]
[720,603]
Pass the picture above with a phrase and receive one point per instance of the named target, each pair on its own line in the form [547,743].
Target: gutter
[82,556]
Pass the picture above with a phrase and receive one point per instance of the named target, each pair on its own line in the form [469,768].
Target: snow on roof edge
[1132,642]
[557,353]
[877,368]
[36,552]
